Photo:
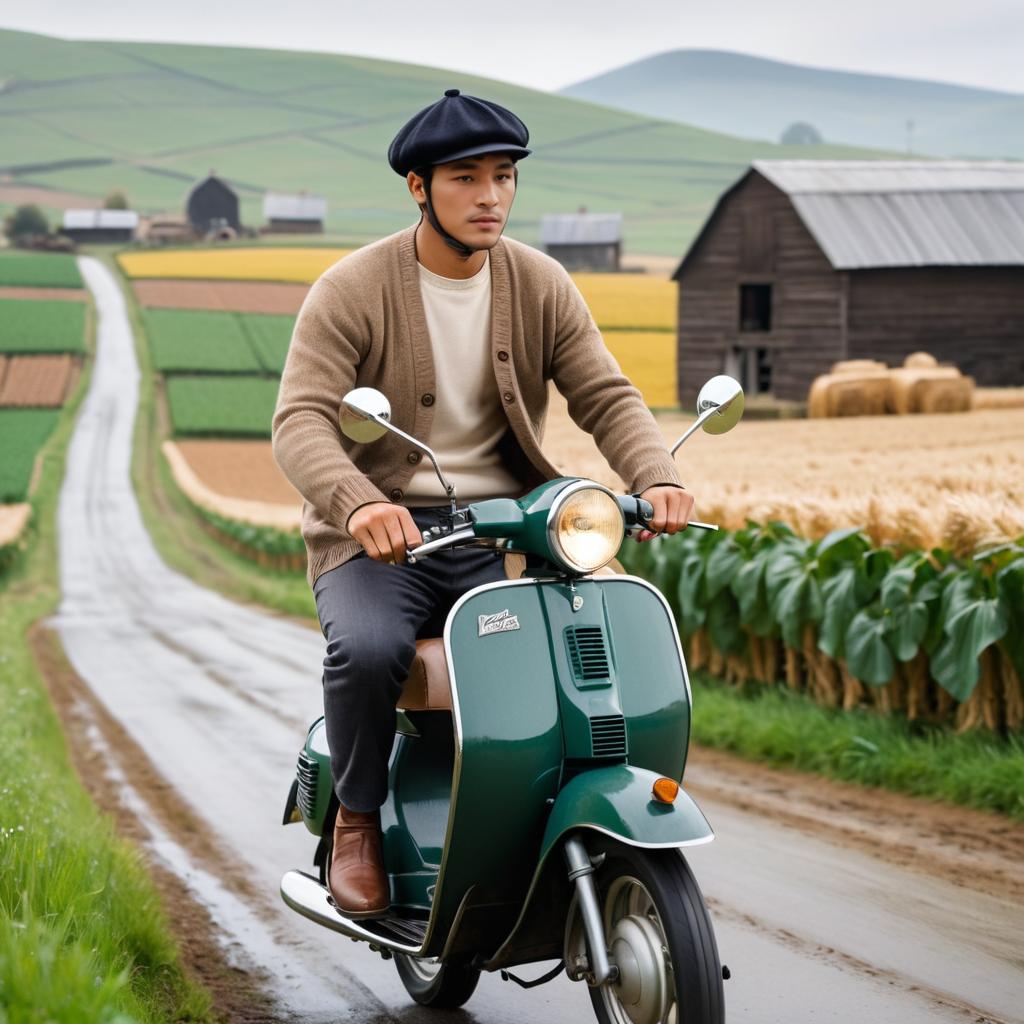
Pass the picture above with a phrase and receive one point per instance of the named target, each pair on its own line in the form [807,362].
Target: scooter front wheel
[661,940]
[440,986]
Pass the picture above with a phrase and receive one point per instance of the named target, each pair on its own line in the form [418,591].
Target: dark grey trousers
[372,614]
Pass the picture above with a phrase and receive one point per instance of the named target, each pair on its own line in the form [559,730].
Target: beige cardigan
[362,325]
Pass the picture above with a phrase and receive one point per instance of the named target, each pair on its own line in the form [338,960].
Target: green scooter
[534,809]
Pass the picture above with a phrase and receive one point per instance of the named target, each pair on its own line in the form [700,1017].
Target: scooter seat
[427,687]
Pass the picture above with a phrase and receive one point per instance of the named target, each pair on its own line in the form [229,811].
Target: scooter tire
[441,987]
[696,971]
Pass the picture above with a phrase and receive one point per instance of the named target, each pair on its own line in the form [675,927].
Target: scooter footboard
[617,801]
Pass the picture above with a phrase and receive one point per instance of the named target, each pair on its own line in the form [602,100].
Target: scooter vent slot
[307,771]
[587,652]
[608,736]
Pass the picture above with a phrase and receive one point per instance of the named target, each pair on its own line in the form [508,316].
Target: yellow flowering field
[638,302]
[300,265]
[648,359]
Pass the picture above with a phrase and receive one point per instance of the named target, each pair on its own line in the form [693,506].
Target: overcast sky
[551,43]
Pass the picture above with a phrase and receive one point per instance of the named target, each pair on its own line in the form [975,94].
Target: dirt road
[194,709]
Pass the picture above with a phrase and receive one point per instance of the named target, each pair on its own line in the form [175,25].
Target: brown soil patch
[16,195]
[13,519]
[239,997]
[240,469]
[60,294]
[234,296]
[37,381]
[968,848]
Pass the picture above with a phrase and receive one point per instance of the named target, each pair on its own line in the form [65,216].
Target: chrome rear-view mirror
[719,408]
[364,414]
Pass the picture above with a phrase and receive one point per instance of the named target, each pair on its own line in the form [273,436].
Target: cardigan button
[413,457]
[427,399]
[509,397]
[396,494]
[503,356]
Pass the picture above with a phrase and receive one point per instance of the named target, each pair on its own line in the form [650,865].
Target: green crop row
[283,550]
[849,623]
[235,406]
[37,325]
[38,270]
[185,340]
[22,433]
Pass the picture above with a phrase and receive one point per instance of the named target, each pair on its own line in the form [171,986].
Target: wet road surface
[218,696]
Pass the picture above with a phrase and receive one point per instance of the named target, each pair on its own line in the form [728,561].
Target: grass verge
[775,725]
[173,524]
[82,934]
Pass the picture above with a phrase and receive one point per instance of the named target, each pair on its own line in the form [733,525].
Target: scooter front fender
[618,800]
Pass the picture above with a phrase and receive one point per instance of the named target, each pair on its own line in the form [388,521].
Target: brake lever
[644,511]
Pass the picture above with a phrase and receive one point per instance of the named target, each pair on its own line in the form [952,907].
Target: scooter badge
[499,622]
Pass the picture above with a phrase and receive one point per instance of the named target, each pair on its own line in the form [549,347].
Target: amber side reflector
[666,791]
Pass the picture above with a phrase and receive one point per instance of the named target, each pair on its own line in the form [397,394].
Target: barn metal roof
[278,206]
[903,213]
[120,219]
[580,228]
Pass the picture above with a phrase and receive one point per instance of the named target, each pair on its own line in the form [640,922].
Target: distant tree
[26,220]
[116,200]
[800,133]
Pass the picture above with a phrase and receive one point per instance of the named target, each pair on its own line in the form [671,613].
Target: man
[462,330]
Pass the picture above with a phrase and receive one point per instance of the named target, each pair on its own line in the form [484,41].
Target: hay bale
[951,394]
[920,361]
[842,394]
[907,386]
[861,367]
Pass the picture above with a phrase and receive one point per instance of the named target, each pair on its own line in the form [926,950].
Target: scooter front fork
[581,872]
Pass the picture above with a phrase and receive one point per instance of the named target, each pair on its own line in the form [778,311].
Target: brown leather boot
[356,877]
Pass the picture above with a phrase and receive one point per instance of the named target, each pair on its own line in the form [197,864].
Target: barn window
[755,307]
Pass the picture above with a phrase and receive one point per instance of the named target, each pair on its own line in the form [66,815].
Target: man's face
[471,197]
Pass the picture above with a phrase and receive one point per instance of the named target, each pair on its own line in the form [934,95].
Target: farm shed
[100,225]
[806,262]
[583,241]
[301,214]
[212,208]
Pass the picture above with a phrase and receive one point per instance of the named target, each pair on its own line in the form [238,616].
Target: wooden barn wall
[757,238]
[970,316]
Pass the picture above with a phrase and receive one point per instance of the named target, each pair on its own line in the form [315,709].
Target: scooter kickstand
[581,871]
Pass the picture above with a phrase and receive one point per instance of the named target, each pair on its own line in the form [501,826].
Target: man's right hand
[385,530]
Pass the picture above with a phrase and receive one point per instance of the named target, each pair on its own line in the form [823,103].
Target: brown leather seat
[428,687]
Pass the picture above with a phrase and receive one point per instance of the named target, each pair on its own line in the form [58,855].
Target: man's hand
[385,530]
[673,508]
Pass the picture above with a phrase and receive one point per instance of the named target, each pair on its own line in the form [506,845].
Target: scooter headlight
[585,527]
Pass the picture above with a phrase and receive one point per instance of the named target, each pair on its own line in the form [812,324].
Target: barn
[212,208]
[100,225]
[583,241]
[294,215]
[806,262]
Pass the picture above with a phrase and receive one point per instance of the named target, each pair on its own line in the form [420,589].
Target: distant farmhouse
[583,241]
[301,214]
[212,209]
[100,225]
[804,263]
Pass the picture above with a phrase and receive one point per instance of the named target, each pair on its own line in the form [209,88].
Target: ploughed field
[43,314]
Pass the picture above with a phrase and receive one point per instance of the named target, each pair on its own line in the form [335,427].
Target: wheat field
[950,480]
[298,265]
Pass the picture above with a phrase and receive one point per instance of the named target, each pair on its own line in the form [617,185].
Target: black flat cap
[454,127]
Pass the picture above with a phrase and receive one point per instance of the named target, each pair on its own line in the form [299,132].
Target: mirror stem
[697,423]
[449,489]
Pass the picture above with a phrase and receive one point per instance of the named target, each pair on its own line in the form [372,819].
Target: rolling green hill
[758,98]
[86,117]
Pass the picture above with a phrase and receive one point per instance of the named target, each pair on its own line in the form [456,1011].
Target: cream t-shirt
[468,418]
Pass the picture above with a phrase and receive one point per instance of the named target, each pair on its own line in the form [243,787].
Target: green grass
[22,433]
[194,340]
[38,325]
[322,122]
[787,729]
[39,270]
[269,336]
[222,406]
[82,934]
